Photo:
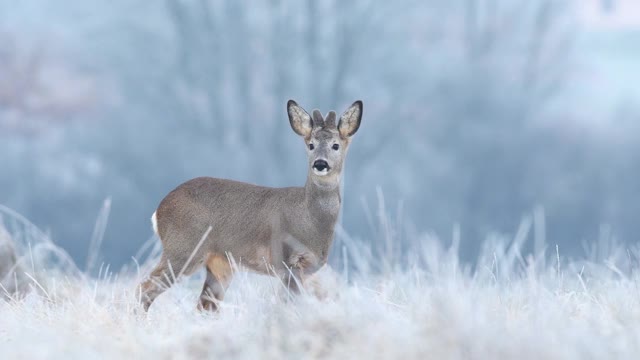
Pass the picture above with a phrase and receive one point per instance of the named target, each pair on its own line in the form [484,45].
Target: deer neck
[323,199]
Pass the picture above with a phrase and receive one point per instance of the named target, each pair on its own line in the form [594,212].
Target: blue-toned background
[477,113]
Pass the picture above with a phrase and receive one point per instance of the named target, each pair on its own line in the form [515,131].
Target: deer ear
[299,119]
[350,120]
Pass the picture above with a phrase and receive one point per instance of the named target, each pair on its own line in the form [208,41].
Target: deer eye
[335,147]
[311,146]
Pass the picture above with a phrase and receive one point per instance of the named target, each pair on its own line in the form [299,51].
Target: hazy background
[477,113]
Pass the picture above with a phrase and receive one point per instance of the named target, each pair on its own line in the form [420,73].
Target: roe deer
[286,232]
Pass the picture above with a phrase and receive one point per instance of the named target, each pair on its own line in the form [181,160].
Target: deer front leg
[292,279]
[301,265]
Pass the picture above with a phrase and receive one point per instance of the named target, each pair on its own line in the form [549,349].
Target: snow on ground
[510,305]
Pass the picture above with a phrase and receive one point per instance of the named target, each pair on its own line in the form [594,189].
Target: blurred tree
[36,91]
[459,121]
[492,79]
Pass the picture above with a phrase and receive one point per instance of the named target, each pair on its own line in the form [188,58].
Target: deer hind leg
[163,276]
[158,281]
[219,273]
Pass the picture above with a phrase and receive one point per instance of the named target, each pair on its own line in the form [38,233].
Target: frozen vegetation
[374,303]
[475,112]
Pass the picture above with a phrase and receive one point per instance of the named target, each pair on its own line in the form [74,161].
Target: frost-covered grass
[426,305]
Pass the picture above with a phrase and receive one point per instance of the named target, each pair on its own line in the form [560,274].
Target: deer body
[285,232]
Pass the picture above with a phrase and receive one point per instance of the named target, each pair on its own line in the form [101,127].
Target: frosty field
[427,304]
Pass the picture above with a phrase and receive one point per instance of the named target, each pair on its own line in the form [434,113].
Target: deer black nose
[320,165]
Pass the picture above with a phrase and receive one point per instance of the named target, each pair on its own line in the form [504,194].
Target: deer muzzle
[321,167]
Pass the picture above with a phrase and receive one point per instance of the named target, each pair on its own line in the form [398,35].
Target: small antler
[330,120]
[317,118]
